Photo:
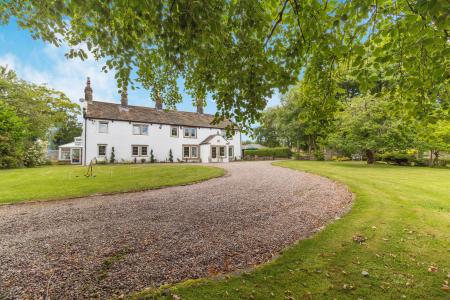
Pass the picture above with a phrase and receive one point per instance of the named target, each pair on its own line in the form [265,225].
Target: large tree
[39,110]
[239,52]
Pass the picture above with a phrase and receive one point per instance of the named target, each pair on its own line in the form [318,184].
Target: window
[135,150]
[194,152]
[190,151]
[65,154]
[174,131]
[139,150]
[230,151]
[139,129]
[214,152]
[186,152]
[190,132]
[144,151]
[222,151]
[103,127]
[101,150]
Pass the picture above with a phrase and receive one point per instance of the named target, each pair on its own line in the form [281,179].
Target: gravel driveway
[103,246]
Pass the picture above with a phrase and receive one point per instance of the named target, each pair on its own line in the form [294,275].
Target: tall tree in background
[239,52]
[38,108]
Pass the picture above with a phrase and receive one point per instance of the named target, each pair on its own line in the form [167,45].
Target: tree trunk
[370,157]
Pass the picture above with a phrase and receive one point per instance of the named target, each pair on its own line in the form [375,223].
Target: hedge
[282,152]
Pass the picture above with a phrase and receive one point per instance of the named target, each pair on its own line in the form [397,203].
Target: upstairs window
[190,132]
[103,127]
[174,131]
[140,129]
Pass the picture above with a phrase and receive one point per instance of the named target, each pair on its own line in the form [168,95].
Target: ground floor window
[101,150]
[65,154]
[214,152]
[222,151]
[139,150]
[230,151]
[190,151]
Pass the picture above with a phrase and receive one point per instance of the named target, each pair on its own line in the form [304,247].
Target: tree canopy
[28,113]
[240,52]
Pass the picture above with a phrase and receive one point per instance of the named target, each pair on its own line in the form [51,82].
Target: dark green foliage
[112,158]
[67,132]
[152,157]
[12,134]
[399,158]
[319,155]
[279,152]
[33,110]
[170,156]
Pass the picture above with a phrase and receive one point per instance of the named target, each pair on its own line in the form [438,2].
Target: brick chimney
[158,101]
[199,106]
[124,98]
[88,90]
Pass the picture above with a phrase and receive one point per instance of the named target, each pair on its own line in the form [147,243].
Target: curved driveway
[103,246]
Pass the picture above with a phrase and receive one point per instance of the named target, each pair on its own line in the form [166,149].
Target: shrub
[112,159]
[35,155]
[152,157]
[170,156]
[143,160]
[399,158]
[318,154]
[281,152]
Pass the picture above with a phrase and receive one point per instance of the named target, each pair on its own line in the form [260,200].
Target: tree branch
[279,19]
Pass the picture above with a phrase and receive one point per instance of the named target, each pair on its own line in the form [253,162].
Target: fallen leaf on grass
[359,239]
[433,269]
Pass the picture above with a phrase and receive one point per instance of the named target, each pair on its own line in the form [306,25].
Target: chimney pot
[88,90]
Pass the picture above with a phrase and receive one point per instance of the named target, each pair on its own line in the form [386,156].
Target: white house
[134,132]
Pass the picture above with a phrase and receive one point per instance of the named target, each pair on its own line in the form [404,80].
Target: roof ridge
[155,109]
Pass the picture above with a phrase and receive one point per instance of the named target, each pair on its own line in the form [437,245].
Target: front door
[75,157]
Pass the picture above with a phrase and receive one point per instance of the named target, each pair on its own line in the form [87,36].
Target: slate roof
[113,111]
[209,138]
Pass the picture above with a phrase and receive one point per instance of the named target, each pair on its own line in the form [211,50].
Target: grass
[59,182]
[402,212]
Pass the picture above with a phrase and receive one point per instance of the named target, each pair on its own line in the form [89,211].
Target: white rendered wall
[120,136]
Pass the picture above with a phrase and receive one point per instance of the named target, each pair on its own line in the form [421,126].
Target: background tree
[66,132]
[12,137]
[39,109]
[367,125]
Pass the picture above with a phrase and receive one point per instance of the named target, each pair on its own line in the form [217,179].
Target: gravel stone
[106,246]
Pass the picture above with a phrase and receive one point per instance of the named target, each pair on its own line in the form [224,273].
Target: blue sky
[42,63]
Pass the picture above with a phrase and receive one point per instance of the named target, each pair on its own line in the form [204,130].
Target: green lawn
[404,214]
[58,182]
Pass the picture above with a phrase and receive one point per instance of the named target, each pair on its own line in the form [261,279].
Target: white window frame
[98,150]
[141,129]
[172,128]
[100,123]
[232,151]
[65,152]
[190,130]
[224,151]
[139,147]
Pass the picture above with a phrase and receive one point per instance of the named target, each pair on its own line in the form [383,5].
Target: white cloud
[66,75]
